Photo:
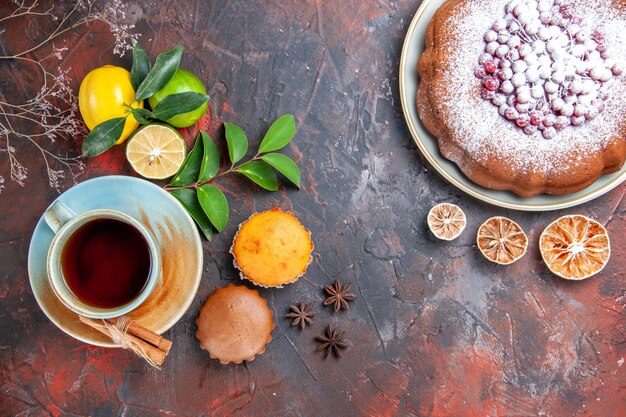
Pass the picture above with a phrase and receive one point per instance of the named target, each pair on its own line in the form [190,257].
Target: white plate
[414,43]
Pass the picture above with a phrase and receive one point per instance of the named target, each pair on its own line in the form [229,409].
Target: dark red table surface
[436,329]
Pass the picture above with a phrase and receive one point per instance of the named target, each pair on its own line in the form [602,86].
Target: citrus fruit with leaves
[501,240]
[575,247]
[446,221]
[182,82]
[156,151]
[104,94]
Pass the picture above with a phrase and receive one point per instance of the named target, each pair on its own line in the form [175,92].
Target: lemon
[156,151]
[182,82]
[102,95]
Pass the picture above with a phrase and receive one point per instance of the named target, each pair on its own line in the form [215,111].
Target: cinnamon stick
[154,354]
[147,335]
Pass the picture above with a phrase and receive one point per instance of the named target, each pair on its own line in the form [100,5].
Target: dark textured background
[436,330]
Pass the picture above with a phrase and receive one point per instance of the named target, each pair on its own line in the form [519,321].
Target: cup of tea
[101,263]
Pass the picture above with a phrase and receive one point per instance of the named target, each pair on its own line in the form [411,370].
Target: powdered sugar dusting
[485,134]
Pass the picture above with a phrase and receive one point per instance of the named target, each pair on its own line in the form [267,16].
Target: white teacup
[64,222]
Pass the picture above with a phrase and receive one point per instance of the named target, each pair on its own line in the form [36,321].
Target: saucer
[171,225]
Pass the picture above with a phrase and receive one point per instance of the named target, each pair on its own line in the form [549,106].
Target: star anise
[301,315]
[331,341]
[339,296]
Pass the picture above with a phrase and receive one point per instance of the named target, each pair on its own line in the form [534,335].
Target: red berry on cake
[490,36]
[522,120]
[504,74]
[518,79]
[491,83]
[536,118]
[490,67]
[498,99]
[567,110]
[577,120]
[499,25]
[491,48]
[487,94]
[549,132]
[511,114]
[484,58]
[579,110]
[507,87]
[522,107]
[561,122]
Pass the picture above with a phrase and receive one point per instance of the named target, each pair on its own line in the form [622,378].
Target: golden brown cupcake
[272,248]
[235,324]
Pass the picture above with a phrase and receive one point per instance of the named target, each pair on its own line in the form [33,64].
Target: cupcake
[235,324]
[272,248]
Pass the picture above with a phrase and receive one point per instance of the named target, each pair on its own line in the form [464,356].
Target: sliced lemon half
[156,151]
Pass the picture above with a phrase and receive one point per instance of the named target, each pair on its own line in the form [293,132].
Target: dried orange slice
[575,247]
[446,221]
[501,240]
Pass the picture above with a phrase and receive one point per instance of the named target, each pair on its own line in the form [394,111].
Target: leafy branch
[193,183]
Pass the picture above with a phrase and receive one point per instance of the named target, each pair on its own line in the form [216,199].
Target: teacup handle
[57,215]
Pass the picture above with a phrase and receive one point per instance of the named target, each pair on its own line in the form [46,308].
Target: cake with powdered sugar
[527,95]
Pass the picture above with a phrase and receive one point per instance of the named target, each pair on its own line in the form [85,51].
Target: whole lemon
[182,82]
[102,95]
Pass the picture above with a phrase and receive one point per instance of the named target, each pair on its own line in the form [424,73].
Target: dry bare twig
[53,111]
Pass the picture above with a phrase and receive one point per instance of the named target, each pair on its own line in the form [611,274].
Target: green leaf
[285,166]
[237,142]
[279,134]
[164,68]
[176,104]
[214,204]
[260,173]
[189,201]
[190,169]
[141,66]
[103,136]
[210,160]
[142,116]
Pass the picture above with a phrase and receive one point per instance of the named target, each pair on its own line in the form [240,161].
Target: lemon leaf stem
[279,134]
[176,104]
[141,66]
[189,200]
[260,173]
[190,169]
[164,68]
[285,166]
[210,159]
[103,136]
[214,204]
[237,142]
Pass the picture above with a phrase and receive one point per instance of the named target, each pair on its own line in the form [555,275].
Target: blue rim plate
[174,230]
[414,44]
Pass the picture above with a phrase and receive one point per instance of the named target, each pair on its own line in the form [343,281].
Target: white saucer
[174,229]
